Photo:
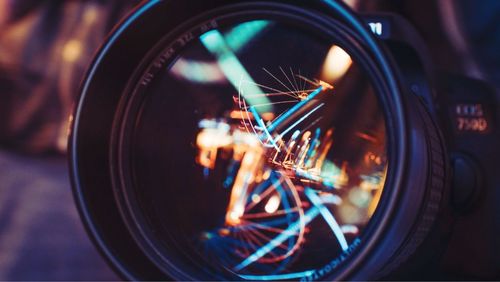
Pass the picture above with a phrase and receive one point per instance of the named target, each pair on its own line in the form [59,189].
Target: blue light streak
[287,276]
[208,72]
[287,208]
[231,173]
[242,34]
[290,231]
[299,121]
[233,69]
[294,109]
[265,184]
[327,215]
[312,148]
[263,126]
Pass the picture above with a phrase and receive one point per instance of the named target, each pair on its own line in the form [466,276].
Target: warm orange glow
[336,64]
[367,137]
[371,158]
[72,50]
[326,86]
[233,217]
[343,178]
[250,165]
[209,141]
[352,3]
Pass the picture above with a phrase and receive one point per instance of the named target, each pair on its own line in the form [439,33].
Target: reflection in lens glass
[269,154]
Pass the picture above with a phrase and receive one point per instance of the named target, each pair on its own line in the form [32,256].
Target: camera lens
[258,147]
[254,141]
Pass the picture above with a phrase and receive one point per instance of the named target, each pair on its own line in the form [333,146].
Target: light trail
[278,240]
[294,109]
[327,215]
[299,121]
[232,68]
[263,126]
[286,276]
[312,213]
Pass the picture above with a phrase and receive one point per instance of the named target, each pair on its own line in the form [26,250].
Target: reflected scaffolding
[280,176]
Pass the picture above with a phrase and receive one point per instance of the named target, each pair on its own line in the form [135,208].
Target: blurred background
[45,48]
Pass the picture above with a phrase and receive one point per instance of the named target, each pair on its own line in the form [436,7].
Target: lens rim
[392,101]
[128,115]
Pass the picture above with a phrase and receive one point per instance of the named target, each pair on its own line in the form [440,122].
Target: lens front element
[258,148]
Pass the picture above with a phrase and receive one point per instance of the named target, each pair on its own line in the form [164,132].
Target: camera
[281,140]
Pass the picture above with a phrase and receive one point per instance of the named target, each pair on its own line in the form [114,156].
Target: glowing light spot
[235,219]
[91,14]
[206,236]
[266,174]
[349,229]
[352,3]
[255,198]
[336,64]
[72,50]
[224,232]
[273,204]
[235,215]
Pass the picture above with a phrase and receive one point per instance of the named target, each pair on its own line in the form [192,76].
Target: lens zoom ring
[433,197]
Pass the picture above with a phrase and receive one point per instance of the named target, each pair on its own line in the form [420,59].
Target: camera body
[437,212]
[466,111]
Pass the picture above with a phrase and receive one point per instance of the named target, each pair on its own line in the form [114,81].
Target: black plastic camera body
[466,111]
[437,217]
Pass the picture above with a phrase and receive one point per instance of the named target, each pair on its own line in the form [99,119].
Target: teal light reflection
[235,72]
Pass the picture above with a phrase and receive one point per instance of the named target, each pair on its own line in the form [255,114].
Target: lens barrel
[213,140]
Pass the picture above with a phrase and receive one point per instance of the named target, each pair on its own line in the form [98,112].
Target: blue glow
[234,70]
[294,109]
[289,216]
[261,124]
[208,72]
[231,173]
[290,231]
[240,35]
[295,135]
[287,276]
[312,149]
[300,120]
[260,188]
[327,215]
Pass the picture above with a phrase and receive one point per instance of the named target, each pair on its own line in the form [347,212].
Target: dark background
[45,47]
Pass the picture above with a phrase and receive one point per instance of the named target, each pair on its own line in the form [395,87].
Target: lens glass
[256,147]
